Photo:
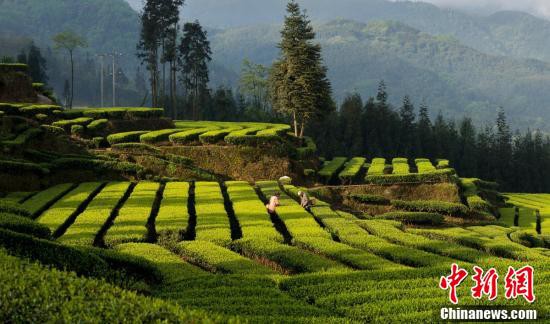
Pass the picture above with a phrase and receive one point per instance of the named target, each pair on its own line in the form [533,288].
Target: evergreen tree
[467,155]
[148,45]
[37,65]
[298,83]
[195,54]
[351,126]
[253,83]
[424,133]
[407,130]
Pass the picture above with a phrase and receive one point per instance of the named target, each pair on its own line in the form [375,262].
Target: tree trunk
[72,81]
[302,127]
[295,124]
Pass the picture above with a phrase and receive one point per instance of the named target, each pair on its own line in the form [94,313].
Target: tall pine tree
[298,82]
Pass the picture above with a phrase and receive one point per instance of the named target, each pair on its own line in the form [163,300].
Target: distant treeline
[518,161]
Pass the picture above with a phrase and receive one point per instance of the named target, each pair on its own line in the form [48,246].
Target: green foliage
[67,124]
[352,169]
[68,206]
[24,137]
[424,166]
[43,295]
[418,218]
[32,110]
[53,129]
[97,165]
[130,223]
[251,212]
[371,199]
[23,225]
[307,151]
[157,136]
[98,125]
[43,200]
[188,135]
[215,136]
[136,148]
[78,130]
[377,167]
[11,207]
[443,164]
[13,67]
[437,176]
[218,259]
[442,207]
[173,217]
[212,220]
[400,166]
[87,225]
[127,137]
[332,168]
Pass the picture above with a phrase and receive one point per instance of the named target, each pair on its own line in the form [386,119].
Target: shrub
[418,218]
[128,137]
[157,136]
[352,169]
[24,137]
[188,135]
[41,117]
[212,221]
[424,166]
[53,129]
[332,168]
[371,199]
[20,167]
[252,140]
[308,150]
[98,125]
[42,200]
[437,176]
[400,166]
[32,110]
[215,136]
[173,217]
[477,203]
[99,142]
[276,130]
[377,167]
[135,148]
[442,164]
[69,114]
[13,67]
[48,295]
[309,172]
[78,130]
[11,108]
[429,206]
[67,124]
[124,113]
[96,165]
[23,225]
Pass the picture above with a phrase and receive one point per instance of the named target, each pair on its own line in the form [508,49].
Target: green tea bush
[96,165]
[275,130]
[253,136]
[38,203]
[437,176]
[78,130]
[41,117]
[23,225]
[188,135]
[123,113]
[157,136]
[67,124]
[424,166]
[98,125]
[53,129]
[308,151]
[218,259]
[212,220]
[20,167]
[128,137]
[68,206]
[371,199]
[352,169]
[11,108]
[130,225]
[442,164]
[377,167]
[431,206]
[24,137]
[173,217]
[332,168]
[32,110]
[401,166]
[45,295]
[418,218]
[215,136]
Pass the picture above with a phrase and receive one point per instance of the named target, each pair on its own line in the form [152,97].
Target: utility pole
[101,57]
[114,55]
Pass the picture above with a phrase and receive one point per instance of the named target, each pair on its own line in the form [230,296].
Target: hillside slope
[451,77]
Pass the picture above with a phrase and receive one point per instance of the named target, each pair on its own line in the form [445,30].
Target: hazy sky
[536,7]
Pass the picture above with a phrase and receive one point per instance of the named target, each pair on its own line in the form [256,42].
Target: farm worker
[273,203]
[305,202]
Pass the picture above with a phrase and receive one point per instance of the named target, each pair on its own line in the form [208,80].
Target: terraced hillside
[213,247]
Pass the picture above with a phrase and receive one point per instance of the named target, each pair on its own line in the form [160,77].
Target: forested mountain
[504,33]
[450,76]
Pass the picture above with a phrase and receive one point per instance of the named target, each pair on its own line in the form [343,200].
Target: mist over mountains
[457,62]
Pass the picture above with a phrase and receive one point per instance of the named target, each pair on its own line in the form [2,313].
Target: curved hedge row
[332,168]
[157,136]
[377,167]
[418,218]
[431,206]
[371,199]
[437,176]
[24,225]
[352,169]
[188,135]
[127,137]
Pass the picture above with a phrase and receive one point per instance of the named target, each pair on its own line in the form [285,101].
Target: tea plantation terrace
[212,246]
